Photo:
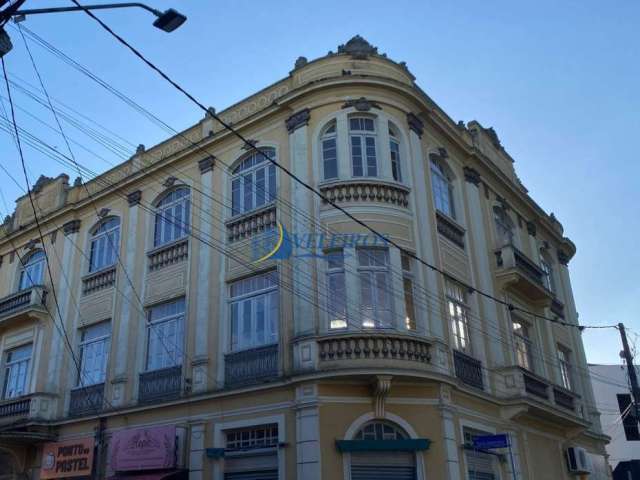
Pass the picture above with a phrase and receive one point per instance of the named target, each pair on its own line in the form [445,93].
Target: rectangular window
[94,353]
[442,190]
[254,311]
[407,280]
[165,335]
[336,291]
[364,161]
[16,371]
[629,419]
[396,171]
[564,360]
[523,344]
[252,453]
[459,316]
[547,275]
[330,158]
[375,287]
[480,465]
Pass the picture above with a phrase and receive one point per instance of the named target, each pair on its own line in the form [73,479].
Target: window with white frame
[16,371]
[105,241]
[362,141]
[523,344]
[95,341]
[481,465]
[254,311]
[328,143]
[172,217]
[32,270]
[459,316]
[251,453]
[375,287]
[165,336]
[391,464]
[408,282]
[394,150]
[441,184]
[547,274]
[564,362]
[504,226]
[336,290]
[253,184]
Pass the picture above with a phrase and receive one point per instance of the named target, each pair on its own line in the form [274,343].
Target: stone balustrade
[99,280]
[366,191]
[252,223]
[165,255]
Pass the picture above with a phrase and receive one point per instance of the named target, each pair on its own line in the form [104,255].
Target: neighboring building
[618,419]
[335,357]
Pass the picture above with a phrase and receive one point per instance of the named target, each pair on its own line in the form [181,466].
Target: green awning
[407,445]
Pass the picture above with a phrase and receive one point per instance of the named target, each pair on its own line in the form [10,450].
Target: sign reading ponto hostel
[73,458]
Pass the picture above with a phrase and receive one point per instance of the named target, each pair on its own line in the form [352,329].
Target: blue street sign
[486,442]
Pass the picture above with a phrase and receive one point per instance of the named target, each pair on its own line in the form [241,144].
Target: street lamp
[167,21]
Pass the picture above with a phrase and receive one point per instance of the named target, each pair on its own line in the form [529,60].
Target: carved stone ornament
[301,62]
[71,227]
[251,143]
[40,183]
[563,258]
[170,181]
[140,149]
[206,164]
[298,119]
[531,229]
[358,48]
[415,124]
[361,104]
[103,212]
[471,175]
[77,182]
[380,390]
[54,235]
[493,136]
[134,197]
[31,244]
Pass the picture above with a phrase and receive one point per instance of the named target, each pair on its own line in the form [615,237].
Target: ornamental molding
[380,388]
[471,175]
[298,119]
[134,197]
[71,227]
[361,104]
[206,164]
[415,124]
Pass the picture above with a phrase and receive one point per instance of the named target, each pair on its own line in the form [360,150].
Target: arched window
[328,142]
[362,141]
[105,241]
[172,217]
[441,182]
[394,149]
[504,226]
[32,270]
[254,182]
[382,464]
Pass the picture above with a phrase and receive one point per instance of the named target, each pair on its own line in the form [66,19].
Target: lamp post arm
[105,6]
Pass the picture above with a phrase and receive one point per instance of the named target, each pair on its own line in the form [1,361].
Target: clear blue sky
[558,80]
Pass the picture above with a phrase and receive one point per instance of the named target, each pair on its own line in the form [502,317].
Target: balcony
[521,383]
[23,303]
[450,229]
[34,406]
[358,191]
[373,349]
[165,255]
[557,308]
[97,281]
[251,223]
[517,272]
[160,385]
[468,369]
[252,366]
[86,400]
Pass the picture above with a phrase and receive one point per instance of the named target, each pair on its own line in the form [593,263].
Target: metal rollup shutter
[258,466]
[383,466]
[261,475]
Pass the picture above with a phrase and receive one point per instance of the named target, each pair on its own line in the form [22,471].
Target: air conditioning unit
[578,460]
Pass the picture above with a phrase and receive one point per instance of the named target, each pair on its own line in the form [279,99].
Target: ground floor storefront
[337,429]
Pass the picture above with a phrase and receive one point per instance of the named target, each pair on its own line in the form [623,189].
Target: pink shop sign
[143,449]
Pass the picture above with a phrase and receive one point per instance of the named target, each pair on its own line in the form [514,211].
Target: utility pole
[631,370]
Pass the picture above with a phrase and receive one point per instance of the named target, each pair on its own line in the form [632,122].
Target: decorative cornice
[298,119]
[471,175]
[70,227]
[361,104]
[134,197]
[415,124]
[531,229]
[206,164]
[358,48]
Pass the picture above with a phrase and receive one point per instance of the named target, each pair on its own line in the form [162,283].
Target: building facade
[228,322]
[618,418]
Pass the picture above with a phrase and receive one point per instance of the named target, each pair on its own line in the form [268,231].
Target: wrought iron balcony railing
[468,369]
[251,366]
[516,271]
[160,385]
[86,400]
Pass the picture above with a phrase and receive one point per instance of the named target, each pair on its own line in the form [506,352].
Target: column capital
[134,198]
[415,124]
[70,227]
[298,119]
[206,164]
[471,175]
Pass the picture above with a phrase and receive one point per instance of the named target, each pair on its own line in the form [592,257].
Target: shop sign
[143,449]
[73,458]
